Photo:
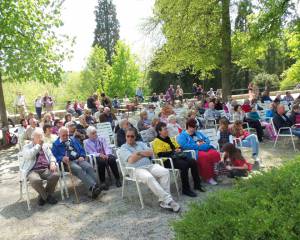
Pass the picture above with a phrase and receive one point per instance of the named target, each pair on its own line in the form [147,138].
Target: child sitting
[245,139]
[223,135]
[268,126]
[238,166]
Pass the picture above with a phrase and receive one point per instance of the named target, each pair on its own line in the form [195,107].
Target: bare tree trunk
[226,49]
[3,114]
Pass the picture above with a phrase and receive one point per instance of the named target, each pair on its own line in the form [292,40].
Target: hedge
[266,206]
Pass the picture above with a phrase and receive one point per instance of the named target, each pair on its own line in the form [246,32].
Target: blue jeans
[296,132]
[38,111]
[251,142]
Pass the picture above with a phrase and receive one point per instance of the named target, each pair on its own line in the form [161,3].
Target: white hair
[37,131]
[90,129]
[63,129]
[171,117]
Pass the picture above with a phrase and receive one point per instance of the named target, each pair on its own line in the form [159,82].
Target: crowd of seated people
[70,142]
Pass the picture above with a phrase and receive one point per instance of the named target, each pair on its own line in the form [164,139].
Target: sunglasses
[130,136]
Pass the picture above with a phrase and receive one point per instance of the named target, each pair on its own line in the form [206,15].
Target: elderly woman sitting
[173,127]
[164,146]
[100,148]
[208,157]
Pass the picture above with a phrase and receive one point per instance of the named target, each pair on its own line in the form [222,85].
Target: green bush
[266,206]
[263,80]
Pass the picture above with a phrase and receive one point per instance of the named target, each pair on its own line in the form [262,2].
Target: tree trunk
[226,49]
[3,115]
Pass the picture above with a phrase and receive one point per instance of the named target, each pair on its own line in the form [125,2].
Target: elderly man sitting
[281,120]
[100,148]
[39,164]
[71,153]
[211,112]
[30,129]
[137,155]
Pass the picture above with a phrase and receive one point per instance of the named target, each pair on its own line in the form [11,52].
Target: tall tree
[125,73]
[107,27]
[29,46]
[96,72]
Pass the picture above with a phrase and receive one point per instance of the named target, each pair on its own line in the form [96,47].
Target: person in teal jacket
[207,156]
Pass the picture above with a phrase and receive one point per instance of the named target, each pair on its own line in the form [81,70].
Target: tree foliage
[125,72]
[30,48]
[196,38]
[96,72]
[107,27]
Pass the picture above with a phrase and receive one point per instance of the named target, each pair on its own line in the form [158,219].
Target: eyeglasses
[130,136]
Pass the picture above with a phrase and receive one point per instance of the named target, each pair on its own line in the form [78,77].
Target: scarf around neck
[168,141]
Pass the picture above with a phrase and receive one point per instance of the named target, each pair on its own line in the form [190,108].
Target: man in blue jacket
[69,151]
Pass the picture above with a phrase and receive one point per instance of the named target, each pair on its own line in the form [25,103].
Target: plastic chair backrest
[121,164]
[211,133]
[274,128]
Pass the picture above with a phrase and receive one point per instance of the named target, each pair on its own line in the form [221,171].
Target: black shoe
[118,183]
[41,201]
[51,200]
[200,188]
[189,193]
[104,186]
[95,191]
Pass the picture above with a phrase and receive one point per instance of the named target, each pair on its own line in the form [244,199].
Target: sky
[79,22]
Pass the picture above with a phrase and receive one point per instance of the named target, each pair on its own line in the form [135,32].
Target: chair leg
[21,190]
[27,196]
[293,143]
[276,141]
[123,186]
[176,183]
[61,189]
[65,187]
[140,194]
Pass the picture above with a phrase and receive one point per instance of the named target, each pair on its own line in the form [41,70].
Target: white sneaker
[212,181]
[173,206]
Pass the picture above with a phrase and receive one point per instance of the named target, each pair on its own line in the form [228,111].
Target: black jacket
[281,121]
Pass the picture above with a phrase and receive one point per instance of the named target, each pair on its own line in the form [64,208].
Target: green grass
[266,206]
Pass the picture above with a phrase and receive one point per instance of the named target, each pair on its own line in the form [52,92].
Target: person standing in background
[20,104]
[38,103]
[48,102]
[179,93]
[139,94]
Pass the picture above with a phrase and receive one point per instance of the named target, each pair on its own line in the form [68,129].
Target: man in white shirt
[20,104]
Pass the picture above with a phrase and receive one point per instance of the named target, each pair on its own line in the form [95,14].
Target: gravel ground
[108,217]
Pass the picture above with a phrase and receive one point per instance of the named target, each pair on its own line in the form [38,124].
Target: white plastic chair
[105,130]
[211,133]
[280,133]
[128,174]
[93,161]
[24,184]
[175,172]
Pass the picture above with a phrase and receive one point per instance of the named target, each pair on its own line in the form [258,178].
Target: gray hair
[90,129]
[122,122]
[70,124]
[63,129]
[37,131]
[171,117]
